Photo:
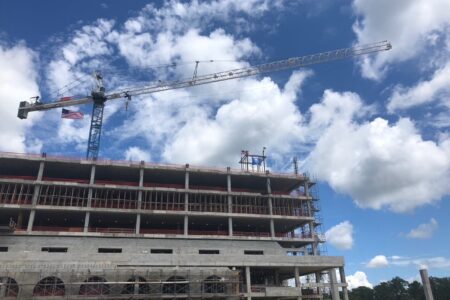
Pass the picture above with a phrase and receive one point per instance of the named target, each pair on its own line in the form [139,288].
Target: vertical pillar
[334,290]
[272,228]
[318,277]
[186,225]
[230,202]
[297,282]
[89,200]
[426,284]
[139,200]
[86,221]
[19,220]
[37,188]
[4,282]
[277,278]
[248,283]
[186,187]
[344,281]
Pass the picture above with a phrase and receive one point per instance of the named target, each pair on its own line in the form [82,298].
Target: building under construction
[86,229]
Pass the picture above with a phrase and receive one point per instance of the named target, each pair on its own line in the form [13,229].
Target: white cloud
[424,231]
[378,164]
[379,261]
[437,262]
[436,88]
[341,235]
[407,24]
[358,279]
[137,154]
[18,82]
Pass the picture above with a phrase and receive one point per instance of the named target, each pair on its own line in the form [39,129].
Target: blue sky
[373,130]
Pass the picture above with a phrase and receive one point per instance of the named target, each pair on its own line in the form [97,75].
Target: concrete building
[76,229]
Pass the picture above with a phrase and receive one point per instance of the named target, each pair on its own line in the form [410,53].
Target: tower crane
[99,96]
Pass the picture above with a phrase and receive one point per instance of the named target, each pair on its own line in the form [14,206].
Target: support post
[86,221]
[334,290]
[318,277]
[138,223]
[230,226]
[344,281]
[297,282]
[229,196]
[248,283]
[186,187]
[426,284]
[272,228]
[186,225]
[37,188]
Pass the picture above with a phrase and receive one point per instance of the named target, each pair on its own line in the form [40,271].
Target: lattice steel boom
[98,97]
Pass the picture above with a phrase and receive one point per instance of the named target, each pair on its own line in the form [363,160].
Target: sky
[373,131]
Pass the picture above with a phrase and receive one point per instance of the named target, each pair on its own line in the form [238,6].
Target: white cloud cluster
[378,164]
[137,154]
[358,279]
[407,24]
[341,235]
[424,231]
[18,81]
[379,261]
[434,89]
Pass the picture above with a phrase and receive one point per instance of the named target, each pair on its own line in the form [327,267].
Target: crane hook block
[22,113]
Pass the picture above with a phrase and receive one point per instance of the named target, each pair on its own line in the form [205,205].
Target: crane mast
[98,96]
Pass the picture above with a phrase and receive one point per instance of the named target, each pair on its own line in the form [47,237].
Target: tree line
[400,289]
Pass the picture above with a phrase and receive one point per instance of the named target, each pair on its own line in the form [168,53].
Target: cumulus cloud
[341,235]
[379,261]
[378,164]
[437,262]
[18,81]
[407,24]
[424,231]
[137,154]
[425,91]
[358,279]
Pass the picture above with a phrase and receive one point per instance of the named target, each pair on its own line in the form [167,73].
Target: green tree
[361,293]
[440,288]
[395,289]
[415,291]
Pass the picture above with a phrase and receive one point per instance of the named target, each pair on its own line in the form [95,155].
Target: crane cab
[22,113]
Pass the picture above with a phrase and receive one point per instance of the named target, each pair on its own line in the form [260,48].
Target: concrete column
[426,284]
[297,282]
[334,290]
[318,277]
[91,181]
[138,223]
[277,278]
[86,221]
[272,228]
[141,185]
[186,187]
[248,283]
[186,225]
[343,280]
[230,226]
[31,220]
[229,197]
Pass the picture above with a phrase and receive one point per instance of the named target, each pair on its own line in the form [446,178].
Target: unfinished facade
[80,229]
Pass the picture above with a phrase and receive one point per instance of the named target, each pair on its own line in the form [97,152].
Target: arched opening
[214,285]
[11,287]
[94,286]
[49,286]
[136,286]
[175,285]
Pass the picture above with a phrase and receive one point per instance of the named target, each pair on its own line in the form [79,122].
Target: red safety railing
[15,201]
[160,231]
[75,180]
[111,230]
[251,233]
[120,204]
[294,235]
[18,177]
[113,182]
[57,229]
[207,232]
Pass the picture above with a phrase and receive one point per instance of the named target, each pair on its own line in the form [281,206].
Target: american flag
[69,114]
